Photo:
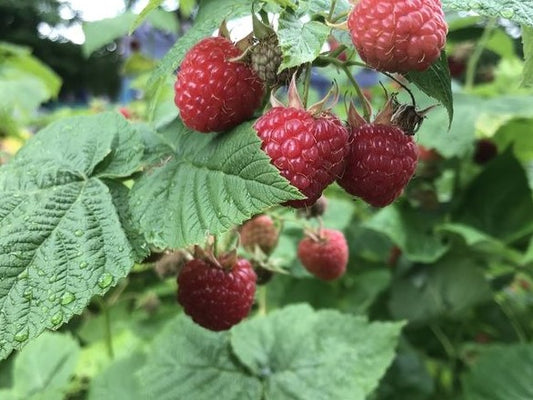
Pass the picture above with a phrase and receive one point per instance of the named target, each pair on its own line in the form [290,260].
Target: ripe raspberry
[216,297]
[259,231]
[398,35]
[212,93]
[325,256]
[309,151]
[380,162]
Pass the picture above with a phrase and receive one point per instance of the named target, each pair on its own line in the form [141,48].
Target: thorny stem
[307,83]
[107,322]
[476,55]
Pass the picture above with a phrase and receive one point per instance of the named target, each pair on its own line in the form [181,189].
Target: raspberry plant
[438,255]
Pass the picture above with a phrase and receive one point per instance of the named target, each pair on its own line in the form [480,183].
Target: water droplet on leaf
[507,13]
[105,280]
[67,298]
[57,318]
[22,335]
[83,264]
[78,232]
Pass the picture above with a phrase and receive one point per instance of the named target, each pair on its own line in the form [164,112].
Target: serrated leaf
[119,380]
[303,354]
[61,238]
[436,82]
[45,365]
[151,6]
[501,373]
[527,40]
[187,361]
[300,42]
[411,230]
[210,184]
[520,11]
[210,16]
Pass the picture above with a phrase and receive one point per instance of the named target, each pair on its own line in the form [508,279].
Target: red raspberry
[398,35]
[216,297]
[325,256]
[212,93]
[309,151]
[259,231]
[380,162]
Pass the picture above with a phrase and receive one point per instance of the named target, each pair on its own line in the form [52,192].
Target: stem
[476,55]
[107,332]
[367,112]
[520,334]
[307,83]
[262,300]
[444,341]
[332,9]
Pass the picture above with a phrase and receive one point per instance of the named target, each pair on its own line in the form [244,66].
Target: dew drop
[67,298]
[52,297]
[507,13]
[57,318]
[83,265]
[52,279]
[22,335]
[28,294]
[78,232]
[105,280]
[23,274]
[45,309]
[121,248]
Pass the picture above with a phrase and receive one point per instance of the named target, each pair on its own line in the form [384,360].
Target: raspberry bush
[355,224]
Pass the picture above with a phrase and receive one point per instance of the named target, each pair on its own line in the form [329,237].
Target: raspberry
[259,231]
[325,256]
[213,93]
[309,151]
[214,296]
[380,162]
[485,151]
[398,35]
[266,59]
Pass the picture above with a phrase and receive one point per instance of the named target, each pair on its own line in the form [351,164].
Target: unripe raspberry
[259,231]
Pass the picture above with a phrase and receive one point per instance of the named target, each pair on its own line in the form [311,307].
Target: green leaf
[501,373]
[210,16]
[515,10]
[300,42]
[61,238]
[99,33]
[45,365]
[497,205]
[303,354]
[434,290]
[516,133]
[411,230]
[187,361]
[151,6]
[479,240]
[527,40]
[436,82]
[210,184]
[119,380]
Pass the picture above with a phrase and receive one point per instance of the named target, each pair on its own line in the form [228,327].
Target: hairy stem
[107,328]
